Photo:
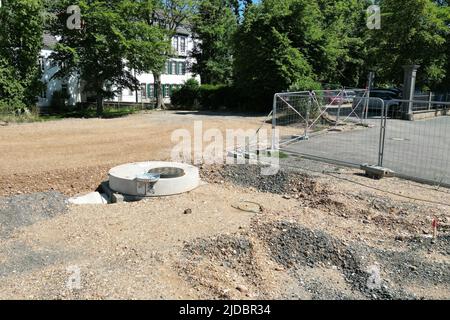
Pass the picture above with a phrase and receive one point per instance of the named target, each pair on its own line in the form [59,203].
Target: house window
[42,64]
[150,90]
[166,68]
[174,68]
[64,89]
[183,45]
[166,91]
[143,90]
[175,43]
[182,67]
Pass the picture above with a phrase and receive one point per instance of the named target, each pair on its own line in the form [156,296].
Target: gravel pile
[296,249]
[293,246]
[24,210]
[441,245]
[235,254]
[285,182]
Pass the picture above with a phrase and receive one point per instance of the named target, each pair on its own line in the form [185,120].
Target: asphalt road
[419,149]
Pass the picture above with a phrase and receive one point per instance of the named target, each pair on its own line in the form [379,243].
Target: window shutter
[169,67]
[164,90]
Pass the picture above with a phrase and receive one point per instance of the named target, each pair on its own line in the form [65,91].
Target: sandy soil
[315,239]
[74,155]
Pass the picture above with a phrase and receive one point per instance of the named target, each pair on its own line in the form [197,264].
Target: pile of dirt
[70,181]
[295,246]
[24,210]
[285,182]
[216,265]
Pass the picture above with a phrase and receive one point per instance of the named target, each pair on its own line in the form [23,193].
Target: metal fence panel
[338,126]
[352,129]
[419,149]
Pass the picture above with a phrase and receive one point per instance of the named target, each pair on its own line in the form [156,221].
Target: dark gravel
[441,245]
[285,182]
[292,245]
[295,248]
[24,210]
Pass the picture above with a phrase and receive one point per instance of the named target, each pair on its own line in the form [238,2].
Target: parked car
[338,97]
[374,106]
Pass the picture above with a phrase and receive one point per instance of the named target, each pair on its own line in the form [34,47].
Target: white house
[175,74]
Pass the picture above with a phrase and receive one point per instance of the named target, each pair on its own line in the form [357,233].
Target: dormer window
[175,43]
[182,45]
[179,44]
[42,64]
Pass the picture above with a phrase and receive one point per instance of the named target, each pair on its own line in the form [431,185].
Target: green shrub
[206,97]
[11,90]
[188,96]
[59,101]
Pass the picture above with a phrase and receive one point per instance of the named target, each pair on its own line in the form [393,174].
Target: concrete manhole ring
[171,178]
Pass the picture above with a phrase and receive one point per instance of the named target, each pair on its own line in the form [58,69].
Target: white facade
[71,86]
[175,75]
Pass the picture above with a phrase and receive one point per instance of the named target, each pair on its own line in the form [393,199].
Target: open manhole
[167,172]
[153,179]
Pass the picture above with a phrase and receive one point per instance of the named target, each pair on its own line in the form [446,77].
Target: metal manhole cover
[168,172]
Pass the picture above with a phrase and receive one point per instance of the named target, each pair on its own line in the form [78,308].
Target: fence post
[308,108]
[338,116]
[430,98]
[274,121]
[381,144]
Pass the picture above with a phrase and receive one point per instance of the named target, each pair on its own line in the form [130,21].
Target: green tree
[214,26]
[265,60]
[107,48]
[11,90]
[21,33]
[412,32]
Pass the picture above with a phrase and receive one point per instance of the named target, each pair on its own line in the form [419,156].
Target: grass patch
[275,154]
[24,118]
[108,113]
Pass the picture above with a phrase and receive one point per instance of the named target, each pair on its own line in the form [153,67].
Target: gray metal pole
[430,98]
[369,89]
[305,136]
[382,141]
[338,116]
[274,121]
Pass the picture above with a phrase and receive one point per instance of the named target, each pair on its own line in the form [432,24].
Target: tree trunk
[159,92]
[99,104]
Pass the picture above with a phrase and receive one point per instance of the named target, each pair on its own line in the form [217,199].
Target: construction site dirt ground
[312,231]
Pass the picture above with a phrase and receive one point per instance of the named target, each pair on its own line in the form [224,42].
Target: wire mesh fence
[420,149]
[352,129]
[297,115]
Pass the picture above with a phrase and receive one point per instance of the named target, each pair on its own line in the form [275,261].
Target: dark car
[389,97]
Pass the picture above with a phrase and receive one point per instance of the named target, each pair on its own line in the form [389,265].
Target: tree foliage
[111,47]
[214,26]
[21,32]
[412,32]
